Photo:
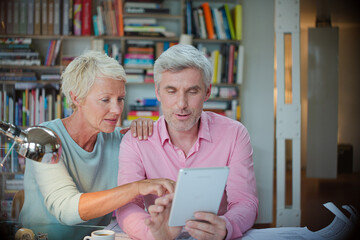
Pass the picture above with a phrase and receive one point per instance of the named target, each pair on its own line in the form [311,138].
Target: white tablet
[197,189]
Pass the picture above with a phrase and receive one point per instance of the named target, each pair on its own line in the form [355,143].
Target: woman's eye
[105,100]
[120,99]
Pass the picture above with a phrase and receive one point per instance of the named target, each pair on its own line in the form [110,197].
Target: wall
[257,96]
[345,15]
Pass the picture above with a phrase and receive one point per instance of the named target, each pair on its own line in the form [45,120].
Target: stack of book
[18,51]
[139,54]
[17,75]
[134,75]
[145,108]
[209,22]
[143,27]
[153,7]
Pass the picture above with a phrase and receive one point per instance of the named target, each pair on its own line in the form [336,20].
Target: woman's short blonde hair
[80,74]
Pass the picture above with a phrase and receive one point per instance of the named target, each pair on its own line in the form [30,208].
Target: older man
[187,137]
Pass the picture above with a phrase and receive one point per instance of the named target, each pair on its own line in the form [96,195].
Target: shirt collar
[204,131]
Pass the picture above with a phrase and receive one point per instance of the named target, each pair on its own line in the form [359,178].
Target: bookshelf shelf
[12,82]
[32,67]
[148,15]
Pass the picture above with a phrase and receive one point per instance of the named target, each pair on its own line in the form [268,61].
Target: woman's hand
[141,128]
[158,186]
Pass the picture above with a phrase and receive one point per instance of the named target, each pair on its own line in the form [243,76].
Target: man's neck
[184,139]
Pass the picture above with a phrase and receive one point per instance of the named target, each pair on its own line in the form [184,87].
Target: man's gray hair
[182,56]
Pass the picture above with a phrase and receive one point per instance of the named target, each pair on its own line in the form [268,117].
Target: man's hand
[207,226]
[141,128]
[159,218]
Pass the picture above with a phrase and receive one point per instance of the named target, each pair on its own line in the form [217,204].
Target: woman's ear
[74,99]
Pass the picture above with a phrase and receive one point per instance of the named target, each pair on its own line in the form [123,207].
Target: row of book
[209,22]
[143,108]
[31,107]
[25,75]
[52,52]
[41,17]
[228,63]
[18,51]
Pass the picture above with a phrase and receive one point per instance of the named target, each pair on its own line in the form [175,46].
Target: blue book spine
[96,29]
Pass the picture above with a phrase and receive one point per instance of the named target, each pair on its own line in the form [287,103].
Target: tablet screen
[197,189]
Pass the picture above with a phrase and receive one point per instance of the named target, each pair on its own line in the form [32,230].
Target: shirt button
[179,152]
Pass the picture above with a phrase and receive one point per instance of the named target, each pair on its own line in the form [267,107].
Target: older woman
[82,187]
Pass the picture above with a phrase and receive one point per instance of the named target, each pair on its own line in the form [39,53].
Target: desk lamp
[37,143]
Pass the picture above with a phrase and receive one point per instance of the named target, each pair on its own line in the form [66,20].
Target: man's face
[182,95]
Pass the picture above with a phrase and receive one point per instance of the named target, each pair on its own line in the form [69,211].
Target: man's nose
[182,101]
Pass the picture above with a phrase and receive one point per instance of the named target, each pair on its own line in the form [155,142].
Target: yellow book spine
[136,117]
[238,21]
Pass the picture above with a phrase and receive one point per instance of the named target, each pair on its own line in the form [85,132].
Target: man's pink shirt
[221,142]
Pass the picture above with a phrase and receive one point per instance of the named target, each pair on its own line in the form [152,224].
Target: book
[50,17]
[56,51]
[229,20]
[9,18]
[189,23]
[231,61]
[119,17]
[215,62]
[112,18]
[86,17]
[30,17]
[203,33]
[16,16]
[37,17]
[57,17]
[44,16]
[100,20]
[237,14]
[208,20]
[65,17]
[23,11]
[3,17]
[240,65]
[77,17]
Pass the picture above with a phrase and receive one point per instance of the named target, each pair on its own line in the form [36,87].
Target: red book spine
[86,18]
[231,64]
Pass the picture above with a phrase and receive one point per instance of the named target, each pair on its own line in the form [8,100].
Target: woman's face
[102,107]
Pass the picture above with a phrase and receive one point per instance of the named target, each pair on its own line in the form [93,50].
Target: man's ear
[74,99]
[208,93]
[157,92]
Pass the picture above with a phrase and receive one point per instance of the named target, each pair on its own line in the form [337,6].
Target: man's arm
[131,216]
[241,188]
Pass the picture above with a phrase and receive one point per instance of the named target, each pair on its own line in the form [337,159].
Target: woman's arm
[97,204]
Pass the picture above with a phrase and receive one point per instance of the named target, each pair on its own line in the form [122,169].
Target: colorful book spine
[77,17]
[229,21]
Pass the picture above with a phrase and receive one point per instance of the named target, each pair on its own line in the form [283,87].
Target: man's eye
[193,92]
